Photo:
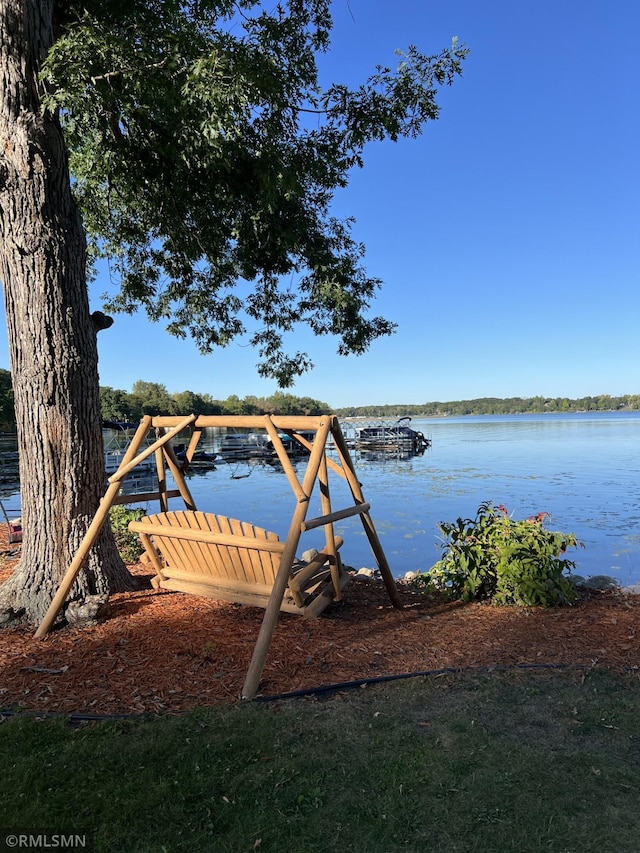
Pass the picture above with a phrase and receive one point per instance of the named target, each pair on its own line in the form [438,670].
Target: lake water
[581,468]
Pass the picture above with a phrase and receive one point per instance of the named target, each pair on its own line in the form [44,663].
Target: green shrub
[509,562]
[128,543]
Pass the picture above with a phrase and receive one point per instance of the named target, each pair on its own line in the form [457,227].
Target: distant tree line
[497,406]
[152,398]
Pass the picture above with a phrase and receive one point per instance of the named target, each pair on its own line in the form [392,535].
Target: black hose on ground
[324,690]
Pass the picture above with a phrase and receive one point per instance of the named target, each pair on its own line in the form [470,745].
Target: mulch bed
[164,652]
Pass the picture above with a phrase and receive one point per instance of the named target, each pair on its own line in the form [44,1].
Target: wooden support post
[330,540]
[367,523]
[143,497]
[338,515]
[300,578]
[129,461]
[191,449]
[284,459]
[330,462]
[92,533]
[125,467]
[178,476]
[270,619]
[161,469]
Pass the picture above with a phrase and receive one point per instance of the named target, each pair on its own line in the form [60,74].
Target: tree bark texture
[52,341]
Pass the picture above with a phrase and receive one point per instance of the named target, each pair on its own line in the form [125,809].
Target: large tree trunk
[52,339]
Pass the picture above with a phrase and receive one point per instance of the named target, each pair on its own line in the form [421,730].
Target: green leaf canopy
[205,157]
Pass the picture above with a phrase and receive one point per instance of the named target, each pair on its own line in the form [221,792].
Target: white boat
[117,436]
[395,437]
[244,445]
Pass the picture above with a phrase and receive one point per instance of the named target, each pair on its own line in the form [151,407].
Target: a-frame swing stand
[196,542]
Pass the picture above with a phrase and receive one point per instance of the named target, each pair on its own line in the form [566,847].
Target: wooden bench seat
[219,557]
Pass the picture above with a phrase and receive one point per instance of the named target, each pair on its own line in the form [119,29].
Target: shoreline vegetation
[498,406]
[152,398]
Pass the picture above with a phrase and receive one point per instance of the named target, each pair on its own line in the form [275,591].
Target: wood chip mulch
[164,652]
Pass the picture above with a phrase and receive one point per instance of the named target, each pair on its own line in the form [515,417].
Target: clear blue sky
[507,235]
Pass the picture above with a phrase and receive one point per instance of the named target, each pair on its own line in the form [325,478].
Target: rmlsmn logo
[44,841]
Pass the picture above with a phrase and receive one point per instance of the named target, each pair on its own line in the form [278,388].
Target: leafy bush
[510,562]
[128,543]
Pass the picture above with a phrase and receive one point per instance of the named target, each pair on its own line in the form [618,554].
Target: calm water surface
[581,468]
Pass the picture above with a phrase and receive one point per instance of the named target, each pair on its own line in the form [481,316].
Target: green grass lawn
[526,760]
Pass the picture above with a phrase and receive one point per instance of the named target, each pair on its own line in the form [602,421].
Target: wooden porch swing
[207,554]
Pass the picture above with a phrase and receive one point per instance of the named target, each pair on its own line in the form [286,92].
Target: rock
[409,576]
[309,555]
[599,582]
[631,590]
[94,607]
[366,575]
